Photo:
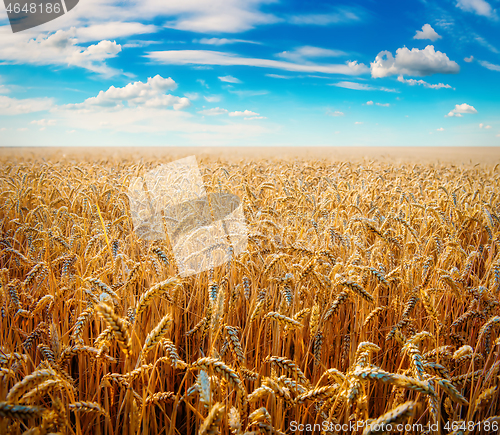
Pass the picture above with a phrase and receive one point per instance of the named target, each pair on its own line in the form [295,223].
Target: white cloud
[490,66]
[486,44]
[440,129]
[361,87]
[112,30]
[481,125]
[340,16]
[3,129]
[213,112]
[149,94]
[231,16]
[469,59]
[212,98]
[279,76]
[222,41]
[427,32]
[230,79]
[207,57]
[479,7]
[14,106]
[203,83]
[336,113]
[255,117]
[44,122]
[59,48]
[383,104]
[244,94]
[206,16]
[244,113]
[460,109]
[301,54]
[369,103]
[413,62]
[413,82]
[192,95]
[358,122]
[487,127]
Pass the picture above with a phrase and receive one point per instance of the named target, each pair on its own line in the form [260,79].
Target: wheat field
[367,294]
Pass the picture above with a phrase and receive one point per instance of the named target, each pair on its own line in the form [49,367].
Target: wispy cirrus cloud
[223,41]
[413,82]
[307,52]
[489,65]
[340,15]
[229,79]
[207,57]
[361,87]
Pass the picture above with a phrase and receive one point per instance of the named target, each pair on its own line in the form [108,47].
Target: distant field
[368,292]
[455,155]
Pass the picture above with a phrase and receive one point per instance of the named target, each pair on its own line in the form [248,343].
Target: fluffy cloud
[370,103]
[149,94]
[361,87]
[301,54]
[413,82]
[440,129]
[60,48]
[487,127]
[229,79]
[213,112]
[14,106]
[335,114]
[413,62]
[469,59]
[490,66]
[427,32]
[244,113]
[479,7]
[460,109]
[207,57]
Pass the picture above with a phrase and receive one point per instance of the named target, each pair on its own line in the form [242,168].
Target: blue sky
[254,72]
